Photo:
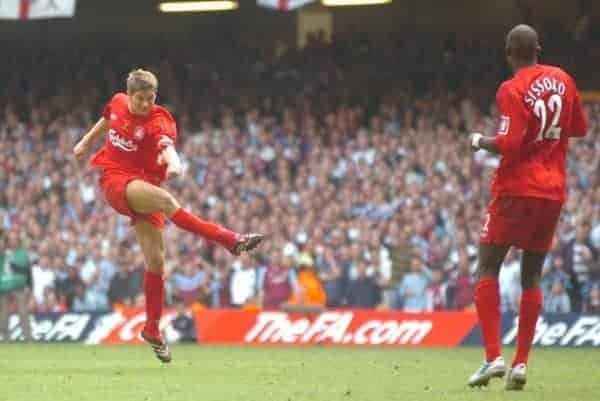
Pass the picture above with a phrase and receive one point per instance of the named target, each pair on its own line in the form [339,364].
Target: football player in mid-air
[540,110]
[137,156]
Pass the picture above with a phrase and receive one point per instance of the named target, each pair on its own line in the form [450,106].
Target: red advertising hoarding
[125,326]
[343,327]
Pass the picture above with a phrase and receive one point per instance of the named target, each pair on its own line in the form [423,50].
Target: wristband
[476,139]
[171,157]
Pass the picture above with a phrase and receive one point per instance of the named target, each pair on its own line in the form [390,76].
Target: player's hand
[474,139]
[81,149]
[169,157]
[173,170]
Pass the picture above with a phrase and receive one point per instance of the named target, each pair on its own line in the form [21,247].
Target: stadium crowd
[351,155]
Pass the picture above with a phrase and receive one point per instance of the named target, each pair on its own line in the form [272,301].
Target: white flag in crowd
[36,9]
[283,5]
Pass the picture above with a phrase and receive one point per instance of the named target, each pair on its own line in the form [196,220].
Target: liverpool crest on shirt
[138,134]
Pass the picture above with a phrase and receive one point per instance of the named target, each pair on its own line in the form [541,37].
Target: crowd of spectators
[350,154]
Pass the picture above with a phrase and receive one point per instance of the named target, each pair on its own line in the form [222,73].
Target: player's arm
[167,134]
[168,155]
[478,141]
[511,127]
[98,130]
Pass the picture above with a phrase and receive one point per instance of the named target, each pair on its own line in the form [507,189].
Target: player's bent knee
[169,204]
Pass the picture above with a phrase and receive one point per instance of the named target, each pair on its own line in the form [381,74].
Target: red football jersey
[540,109]
[133,142]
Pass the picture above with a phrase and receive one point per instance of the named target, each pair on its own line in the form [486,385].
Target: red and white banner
[354,327]
[340,327]
[283,5]
[125,327]
[36,9]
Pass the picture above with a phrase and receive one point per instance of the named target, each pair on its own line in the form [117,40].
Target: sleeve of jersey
[579,122]
[513,121]
[166,133]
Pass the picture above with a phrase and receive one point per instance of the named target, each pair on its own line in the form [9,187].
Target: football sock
[154,292]
[487,302]
[211,231]
[529,311]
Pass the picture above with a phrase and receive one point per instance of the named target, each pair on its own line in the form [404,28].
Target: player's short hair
[141,80]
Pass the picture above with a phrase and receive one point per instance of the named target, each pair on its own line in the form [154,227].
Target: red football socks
[529,311]
[487,301]
[211,231]
[154,292]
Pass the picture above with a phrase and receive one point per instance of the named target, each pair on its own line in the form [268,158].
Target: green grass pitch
[131,373]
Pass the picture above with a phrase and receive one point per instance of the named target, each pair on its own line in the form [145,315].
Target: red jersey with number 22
[540,109]
[134,142]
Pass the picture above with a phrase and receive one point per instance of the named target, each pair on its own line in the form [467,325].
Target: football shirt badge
[138,133]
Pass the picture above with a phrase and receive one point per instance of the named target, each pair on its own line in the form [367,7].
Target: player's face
[141,102]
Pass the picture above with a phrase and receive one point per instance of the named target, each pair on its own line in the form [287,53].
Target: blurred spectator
[436,292]
[462,284]
[380,264]
[413,288]
[509,281]
[66,286]
[461,246]
[121,289]
[579,254]
[595,231]
[593,303]
[556,274]
[83,301]
[15,282]
[362,289]
[330,275]
[557,301]
[243,281]
[51,302]
[190,284]
[221,281]
[397,239]
[96,277]
[183,322]
[277,280]
[43,277]
[310,291]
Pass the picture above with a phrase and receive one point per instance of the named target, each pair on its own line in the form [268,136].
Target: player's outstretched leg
[152,242]
[487,302]
[144,197]
[529,312]
[236,243]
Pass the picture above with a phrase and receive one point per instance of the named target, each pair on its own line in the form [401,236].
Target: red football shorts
[525,222]
[114,184]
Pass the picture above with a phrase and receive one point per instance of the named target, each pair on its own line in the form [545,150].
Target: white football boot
[495,368]
[517,377]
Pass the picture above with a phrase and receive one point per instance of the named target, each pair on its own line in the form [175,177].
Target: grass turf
[131,373]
